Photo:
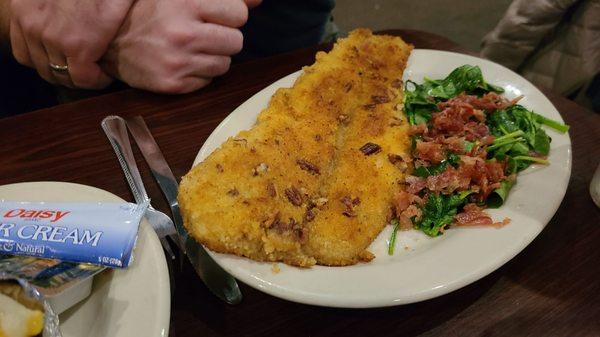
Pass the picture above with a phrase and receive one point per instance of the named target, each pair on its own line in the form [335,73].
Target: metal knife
[221,283]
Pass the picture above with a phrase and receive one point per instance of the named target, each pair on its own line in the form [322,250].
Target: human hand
[66,32]
[176,46]
[252,3]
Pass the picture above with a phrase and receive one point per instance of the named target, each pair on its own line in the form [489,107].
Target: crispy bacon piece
[430,151]
[413,211]
[473,215]
[474,131]
[448,181]
[402,200]
[418,129]
[405,222]
[415,184]
[454,143]
[405,206]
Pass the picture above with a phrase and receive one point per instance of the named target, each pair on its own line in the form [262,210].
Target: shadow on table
[195,310]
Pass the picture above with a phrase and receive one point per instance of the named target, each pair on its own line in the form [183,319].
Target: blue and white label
[97,233]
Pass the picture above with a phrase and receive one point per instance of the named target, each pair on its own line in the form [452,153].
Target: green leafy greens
[392,243]
[421,100]
[439,211]
[519,139]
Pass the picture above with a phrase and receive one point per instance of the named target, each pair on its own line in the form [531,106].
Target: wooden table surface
[552,288]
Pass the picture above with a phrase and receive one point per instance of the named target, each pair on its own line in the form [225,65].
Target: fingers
[87,75]
[217,40]
[18,45]
[30,51]
[230,13]
[55,57]
[190,84]
[209,65]
[40,60]
[179,86]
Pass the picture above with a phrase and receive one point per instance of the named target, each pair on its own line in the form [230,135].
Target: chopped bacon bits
[412,211]
[502,223]
[405,205]
[418,129]
[401,201]
[405,222]
[415,184]
[429,151]
[458,128]
[473,215]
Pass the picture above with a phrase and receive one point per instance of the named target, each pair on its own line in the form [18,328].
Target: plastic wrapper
[63,284]
[97,233]
[21,302]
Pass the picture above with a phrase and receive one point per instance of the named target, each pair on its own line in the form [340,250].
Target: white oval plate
[422,267]
[131,302]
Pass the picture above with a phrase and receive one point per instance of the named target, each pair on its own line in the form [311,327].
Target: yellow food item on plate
[312,181]
[18,321]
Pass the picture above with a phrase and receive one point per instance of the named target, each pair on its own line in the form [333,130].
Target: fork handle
[116,131]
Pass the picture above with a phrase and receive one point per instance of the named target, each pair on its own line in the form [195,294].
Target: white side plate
[422,267]
[124,303]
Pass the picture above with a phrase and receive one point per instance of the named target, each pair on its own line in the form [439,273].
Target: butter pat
[97,233]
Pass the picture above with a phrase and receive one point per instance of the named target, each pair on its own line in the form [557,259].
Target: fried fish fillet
[312,181]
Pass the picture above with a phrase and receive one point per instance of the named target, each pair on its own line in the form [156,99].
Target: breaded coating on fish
[312,182]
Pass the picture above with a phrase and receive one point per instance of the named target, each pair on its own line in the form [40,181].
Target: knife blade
[221,283]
